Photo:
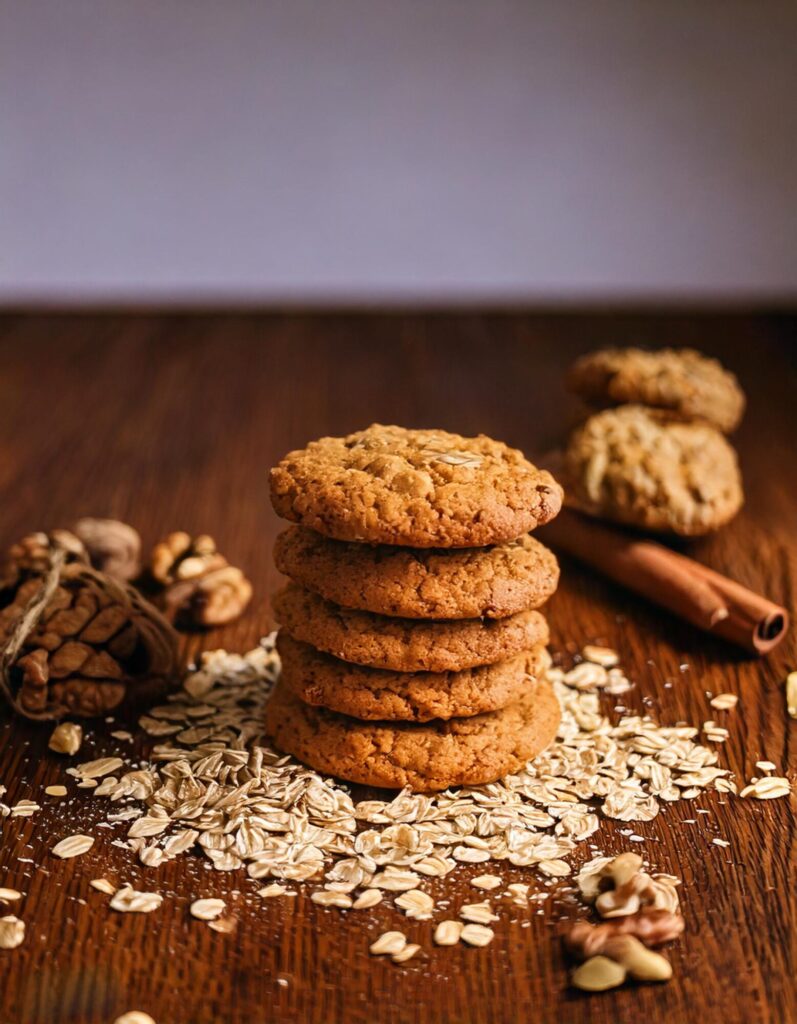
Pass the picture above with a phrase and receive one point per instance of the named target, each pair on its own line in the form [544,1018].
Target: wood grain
[172,421]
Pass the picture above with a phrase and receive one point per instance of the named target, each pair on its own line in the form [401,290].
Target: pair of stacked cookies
[657,457]
[413,652]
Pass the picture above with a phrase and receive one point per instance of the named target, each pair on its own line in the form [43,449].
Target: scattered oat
[416,904]
[73,846]
[128,901]
[791,694]
[724,701]
[87,784]
[765,766]
[486,882]
[324,898]
[769,788]
[24,809]
[103,885]
[207,909]
[96,769]
[55,790]
[270,891]
[604,656]
[122,734]
[12,932]
[405,954]
[720,842]
[66,738]
[10,895]
[477,935]
[224,925]
[134,1017]
[388,944]
[367,899]
[478,913]
[447,933]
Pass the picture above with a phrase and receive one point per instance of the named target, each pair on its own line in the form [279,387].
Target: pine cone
[198,586]
[72,639]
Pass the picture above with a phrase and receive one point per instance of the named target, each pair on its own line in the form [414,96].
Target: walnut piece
[66,738]
[199,587]
[653,927]
[113,547]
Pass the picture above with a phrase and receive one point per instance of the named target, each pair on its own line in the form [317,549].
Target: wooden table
[173,421]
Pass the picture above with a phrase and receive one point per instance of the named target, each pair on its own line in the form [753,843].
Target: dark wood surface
[173,421]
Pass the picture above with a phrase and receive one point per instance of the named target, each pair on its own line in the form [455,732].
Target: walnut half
[199,586]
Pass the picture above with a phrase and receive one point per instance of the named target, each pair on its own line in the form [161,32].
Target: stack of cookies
[413,653]
[656,457]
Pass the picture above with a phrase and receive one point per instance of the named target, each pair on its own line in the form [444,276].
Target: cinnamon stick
[692,591]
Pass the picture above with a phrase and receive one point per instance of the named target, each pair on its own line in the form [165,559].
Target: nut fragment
[388,944]
[653,927]
[113,547]
[598,974]
[640,962]
[12,932]
[73,846]
[66,738]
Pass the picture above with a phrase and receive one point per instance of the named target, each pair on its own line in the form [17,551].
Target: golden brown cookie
[404,645]
[468,583]
[460,752]
[419,488]
[678,379]
[640,466]
[368,693]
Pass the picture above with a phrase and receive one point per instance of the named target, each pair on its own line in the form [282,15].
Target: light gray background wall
[424,150]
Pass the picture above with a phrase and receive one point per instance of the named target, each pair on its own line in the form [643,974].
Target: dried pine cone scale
[74,640]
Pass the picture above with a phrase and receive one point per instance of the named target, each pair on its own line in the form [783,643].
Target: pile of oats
[212,786]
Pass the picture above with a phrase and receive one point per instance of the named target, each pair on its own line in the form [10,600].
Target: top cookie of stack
[412,651]
[656,456]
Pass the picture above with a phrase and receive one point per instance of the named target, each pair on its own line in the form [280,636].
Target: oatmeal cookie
[678,379]
[368,693]
[468,583]
[404,645]
[460,752]
[416,488]
[642,467]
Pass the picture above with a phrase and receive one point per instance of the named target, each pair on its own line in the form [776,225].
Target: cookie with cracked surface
[377,694]
[642,467]
[404,645]
[678,379]
[467,583]
[391,755]
[416,488]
